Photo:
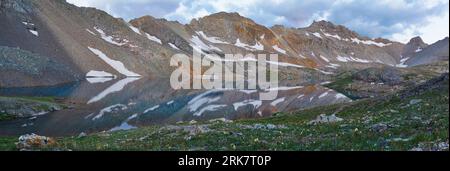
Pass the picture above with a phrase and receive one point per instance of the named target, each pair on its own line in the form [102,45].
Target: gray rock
[81,135]
[415,101]
[326,119]
[380,127]
[29,141]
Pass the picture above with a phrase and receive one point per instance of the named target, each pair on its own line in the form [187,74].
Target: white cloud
[395,19]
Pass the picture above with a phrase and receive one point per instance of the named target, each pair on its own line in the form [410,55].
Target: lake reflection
[104,105]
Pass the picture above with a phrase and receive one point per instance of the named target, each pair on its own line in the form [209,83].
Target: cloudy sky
[393,19]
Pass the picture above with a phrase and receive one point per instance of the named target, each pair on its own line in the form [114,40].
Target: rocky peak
[331,28]
[414,45]
[233,17]
[417,42]
[322,24]
[230,27]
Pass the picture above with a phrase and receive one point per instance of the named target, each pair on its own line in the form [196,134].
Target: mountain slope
[87,40]
[435,52]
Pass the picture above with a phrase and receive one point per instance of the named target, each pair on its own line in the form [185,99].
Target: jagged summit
[417,42]
[230,16]
[414,45]
[78,36]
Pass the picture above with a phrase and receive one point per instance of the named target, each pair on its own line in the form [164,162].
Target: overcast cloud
[399,20]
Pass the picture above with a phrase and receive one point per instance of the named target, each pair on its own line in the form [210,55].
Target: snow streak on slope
[107,38]
[279,49]
[117,65]
[153,38]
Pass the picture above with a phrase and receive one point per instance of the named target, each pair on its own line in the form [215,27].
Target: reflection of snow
[284,88]
[112,89]
[277,101]
[93,73]
[255,103]
[209,108]
[94,80]
[170,102]
[323,95]
[110,109]
[117,65]
[125,125]
[151,109]
[196,102]
[340,96]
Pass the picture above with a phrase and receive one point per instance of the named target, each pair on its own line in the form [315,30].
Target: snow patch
[34,32]
[173,46]
[317,35]
[153,38]
[136,30]
[117,65]
[332,35]
[340,96]
[323,95]
[402,63]
[351,59]
[369,42]
[257,46]
[89,31]
[199,45]
[210,39]
[324,58]
[107,38]
[279,49]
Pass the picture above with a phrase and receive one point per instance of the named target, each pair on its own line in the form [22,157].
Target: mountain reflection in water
[129,103]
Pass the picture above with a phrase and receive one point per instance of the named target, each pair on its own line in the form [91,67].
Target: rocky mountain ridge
[88,40]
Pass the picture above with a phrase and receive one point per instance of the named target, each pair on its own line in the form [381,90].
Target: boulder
[31,141]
